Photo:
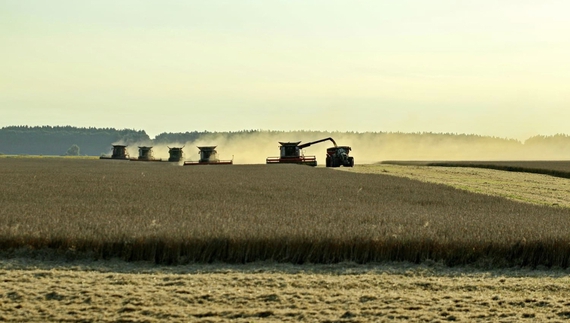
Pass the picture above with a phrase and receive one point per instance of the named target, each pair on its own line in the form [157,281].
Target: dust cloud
[255,147]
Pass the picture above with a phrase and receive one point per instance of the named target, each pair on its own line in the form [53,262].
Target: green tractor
[338,156]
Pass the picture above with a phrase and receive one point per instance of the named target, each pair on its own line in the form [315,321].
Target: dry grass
[168,214]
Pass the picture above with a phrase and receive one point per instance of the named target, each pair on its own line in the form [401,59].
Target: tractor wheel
[351,162]
[328,162]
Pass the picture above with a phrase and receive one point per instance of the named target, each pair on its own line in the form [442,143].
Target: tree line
[91,141]
[48,140]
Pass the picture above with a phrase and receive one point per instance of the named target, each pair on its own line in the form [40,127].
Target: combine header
[292,153]
[208,156]
[119,152]
[176,154]
[145,154]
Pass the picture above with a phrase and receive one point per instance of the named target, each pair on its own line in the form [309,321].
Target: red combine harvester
[291,153]
[208,156]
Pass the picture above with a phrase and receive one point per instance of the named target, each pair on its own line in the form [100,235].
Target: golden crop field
[279,243]
[168,214]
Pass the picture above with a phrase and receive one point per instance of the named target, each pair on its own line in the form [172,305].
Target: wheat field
[273,244]
[168,214]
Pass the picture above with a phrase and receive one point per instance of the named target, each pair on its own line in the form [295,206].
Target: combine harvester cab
[208,156]
[145,154]
[292,153]
[119,153]
[176,154]
[338,156]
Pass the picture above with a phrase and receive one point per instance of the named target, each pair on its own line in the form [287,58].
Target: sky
[496,68]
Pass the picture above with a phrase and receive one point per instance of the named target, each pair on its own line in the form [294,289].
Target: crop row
[286,213]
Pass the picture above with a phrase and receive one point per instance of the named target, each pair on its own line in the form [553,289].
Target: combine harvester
[292,153]
[176,154]
[208,156]
[119,153]
[145,154]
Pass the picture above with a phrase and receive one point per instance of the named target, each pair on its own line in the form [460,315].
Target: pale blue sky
[498,68]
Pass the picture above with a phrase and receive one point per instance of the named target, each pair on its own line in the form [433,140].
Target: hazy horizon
[251,147]
[486,68]
[288,132]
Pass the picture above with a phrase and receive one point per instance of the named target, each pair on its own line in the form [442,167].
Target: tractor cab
[339,156]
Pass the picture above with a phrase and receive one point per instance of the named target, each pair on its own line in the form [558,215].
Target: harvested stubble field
[59,218]
[518,186]
[115,291]
[169,214]
[558,168]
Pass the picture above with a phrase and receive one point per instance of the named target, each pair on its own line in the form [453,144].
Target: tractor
[338,156]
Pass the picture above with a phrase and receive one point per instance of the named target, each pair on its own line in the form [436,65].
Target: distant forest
[47,140]
[61,140]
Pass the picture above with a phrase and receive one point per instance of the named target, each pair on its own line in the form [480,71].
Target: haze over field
[497,68]
[254,147]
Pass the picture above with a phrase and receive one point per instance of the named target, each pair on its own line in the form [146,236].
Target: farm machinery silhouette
[145,154]
[292,153]
[208,155]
